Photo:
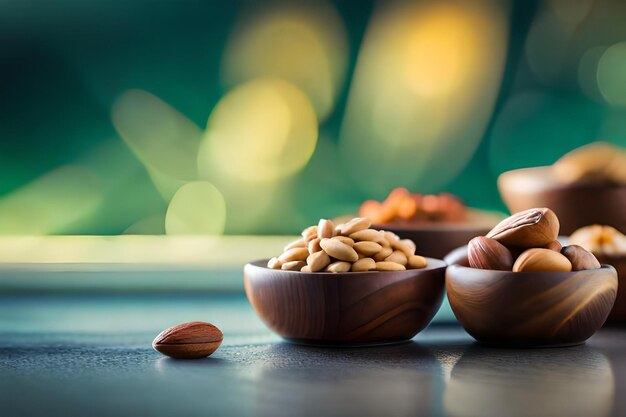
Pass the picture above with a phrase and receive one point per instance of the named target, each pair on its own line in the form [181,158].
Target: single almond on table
[541,260]
[339,250]
[191,340]
[486,253]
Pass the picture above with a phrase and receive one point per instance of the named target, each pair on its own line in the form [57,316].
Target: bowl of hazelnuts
[521,287]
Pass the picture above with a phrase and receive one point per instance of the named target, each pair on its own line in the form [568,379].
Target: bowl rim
[262,264]
[557,186]
[527,274]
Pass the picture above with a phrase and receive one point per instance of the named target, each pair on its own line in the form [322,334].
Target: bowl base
[340,344]
[529,345]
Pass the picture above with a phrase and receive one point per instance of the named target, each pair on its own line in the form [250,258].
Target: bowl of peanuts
[438,223]
[346,285]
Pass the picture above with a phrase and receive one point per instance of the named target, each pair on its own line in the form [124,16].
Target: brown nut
[339,250]
[554,245]
[580,258]
[384,252]
[325,228]
[293,265]
[541,260]
[354,225]
[486,253]
[527,229]
[389,266]
[339,266]
[363,264]
[318,261]
[416,262]
[191,340]
[295,254]
[367,248]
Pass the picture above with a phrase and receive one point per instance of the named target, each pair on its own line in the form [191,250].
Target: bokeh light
[588,70]
[261,131]
[423,90]
[164,140]
[52,203]
[305,44]
[197,208]
[612,74]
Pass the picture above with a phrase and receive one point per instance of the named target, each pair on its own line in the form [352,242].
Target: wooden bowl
[618,313]
[576,205]
[532,309]
[350,308]
[436,240]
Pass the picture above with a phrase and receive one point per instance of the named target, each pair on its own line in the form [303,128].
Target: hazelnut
[487,253]
[580,258]
[541,260]
[535,227]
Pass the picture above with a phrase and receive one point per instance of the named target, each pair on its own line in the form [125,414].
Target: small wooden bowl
[531,309]
[438,239]
[618,313]
[350,308]
[576,205]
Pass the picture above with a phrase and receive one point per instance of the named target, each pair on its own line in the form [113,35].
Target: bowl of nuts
[586,186]
[347,285]
[522,288]
[609,246]
[437,223]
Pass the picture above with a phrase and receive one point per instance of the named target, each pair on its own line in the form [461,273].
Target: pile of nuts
[527,241]
[351,246]
[598,162]
[600,240]
[401,206]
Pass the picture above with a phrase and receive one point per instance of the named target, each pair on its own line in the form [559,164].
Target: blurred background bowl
[576,205]
[531,309]
[351,308]
[618,313]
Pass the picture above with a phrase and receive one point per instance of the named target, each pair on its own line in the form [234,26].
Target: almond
[191,340]
[416,262]
[580,258]
[325,228]
[339,250]
[354,225]
[389,266]
[318,261]
[486,253]
[295,254]
[384,252]
[339,266]
[367,248]
[541,260]
[363,264]
[531,228]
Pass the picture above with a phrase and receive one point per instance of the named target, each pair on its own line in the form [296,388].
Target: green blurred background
[236,117]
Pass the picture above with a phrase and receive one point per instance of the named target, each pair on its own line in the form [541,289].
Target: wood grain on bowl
[345,308]
[618,313]
[531,308]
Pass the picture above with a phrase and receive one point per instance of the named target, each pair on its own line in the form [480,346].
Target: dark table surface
[91,355]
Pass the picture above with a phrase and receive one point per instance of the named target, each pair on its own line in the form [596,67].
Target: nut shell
[541,260]
[190,340]
[486,253]
[580,258]
[536,227]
